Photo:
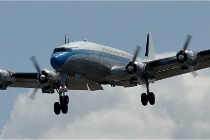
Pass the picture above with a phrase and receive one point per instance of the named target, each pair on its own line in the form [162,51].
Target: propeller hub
[130,68]
[181,57]
[42,77]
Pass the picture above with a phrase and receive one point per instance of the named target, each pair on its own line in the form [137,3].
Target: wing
[169,67]
[29,80]
[25,80]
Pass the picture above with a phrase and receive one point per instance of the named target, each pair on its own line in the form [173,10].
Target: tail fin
[150,51]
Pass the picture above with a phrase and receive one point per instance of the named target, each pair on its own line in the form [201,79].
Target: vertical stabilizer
[150,51]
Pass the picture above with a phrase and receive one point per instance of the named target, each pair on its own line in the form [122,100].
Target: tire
[144,99]
[57,108]
[64,108]
[151,98]
[66,99]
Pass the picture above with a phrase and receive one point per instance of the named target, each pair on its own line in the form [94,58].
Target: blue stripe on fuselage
[59,58]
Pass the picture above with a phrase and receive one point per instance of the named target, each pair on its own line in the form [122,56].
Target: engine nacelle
[48,75]
[138,68]
[51,75]
[4,75]
[48,79]
[5,79]
[187,58]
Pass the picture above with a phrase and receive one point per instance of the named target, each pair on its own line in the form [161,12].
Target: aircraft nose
[57,61]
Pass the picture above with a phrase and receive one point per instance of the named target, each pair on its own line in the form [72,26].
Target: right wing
[25,80]
[30,80]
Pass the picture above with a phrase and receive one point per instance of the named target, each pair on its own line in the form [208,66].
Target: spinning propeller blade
[185,47]
[138,49]
[33,59]
[188,39]
[33,94]
[37,67]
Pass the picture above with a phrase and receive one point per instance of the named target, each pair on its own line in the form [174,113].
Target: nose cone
[57,61]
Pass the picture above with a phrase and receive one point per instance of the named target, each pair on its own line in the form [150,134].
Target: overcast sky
[36,28]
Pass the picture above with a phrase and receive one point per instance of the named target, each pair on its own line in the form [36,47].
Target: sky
[36,28]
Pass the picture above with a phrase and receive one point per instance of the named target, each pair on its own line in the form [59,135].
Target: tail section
[150,51]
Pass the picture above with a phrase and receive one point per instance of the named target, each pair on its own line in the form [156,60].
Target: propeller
[33,59]
[131,67]
[188,39]
[33,94]
[186,44]
[181,56]
[41,77]
[138,48]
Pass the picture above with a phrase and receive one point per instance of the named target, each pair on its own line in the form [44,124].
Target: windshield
[62,50]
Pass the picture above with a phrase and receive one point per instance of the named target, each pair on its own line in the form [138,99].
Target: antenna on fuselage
[68,41]
[65,38]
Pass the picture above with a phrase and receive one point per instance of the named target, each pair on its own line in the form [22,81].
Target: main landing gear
[147,97]
[61,106]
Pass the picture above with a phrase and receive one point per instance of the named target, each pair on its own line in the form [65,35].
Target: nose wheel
[147,97]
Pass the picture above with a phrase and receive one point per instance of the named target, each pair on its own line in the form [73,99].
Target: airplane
[84,65]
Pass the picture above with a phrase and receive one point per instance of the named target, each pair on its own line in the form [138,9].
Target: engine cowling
[187,58]
[48,79]
[4,75]
[5,79]
[138,68]
[48,75]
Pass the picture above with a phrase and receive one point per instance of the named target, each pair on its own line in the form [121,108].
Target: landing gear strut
[61,106]
[147,97]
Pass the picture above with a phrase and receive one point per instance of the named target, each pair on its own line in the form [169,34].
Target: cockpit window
[62,50]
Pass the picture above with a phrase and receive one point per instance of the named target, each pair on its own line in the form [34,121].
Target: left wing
[169,67]
[185,61]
